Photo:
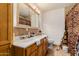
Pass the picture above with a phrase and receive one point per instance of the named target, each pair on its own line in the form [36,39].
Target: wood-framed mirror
[25,16]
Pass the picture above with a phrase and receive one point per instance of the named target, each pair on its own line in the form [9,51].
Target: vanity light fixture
[34,8]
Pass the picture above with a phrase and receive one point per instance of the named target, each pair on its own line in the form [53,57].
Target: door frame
[10,22]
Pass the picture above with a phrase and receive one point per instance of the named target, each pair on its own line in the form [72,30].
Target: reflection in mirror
[24,15]
[34,19]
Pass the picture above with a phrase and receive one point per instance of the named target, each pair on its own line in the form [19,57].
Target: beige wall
[54,25]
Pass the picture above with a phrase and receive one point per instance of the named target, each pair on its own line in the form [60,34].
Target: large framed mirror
[25,16]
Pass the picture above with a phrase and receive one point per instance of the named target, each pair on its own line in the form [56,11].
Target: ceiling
[24,10]
[51,6]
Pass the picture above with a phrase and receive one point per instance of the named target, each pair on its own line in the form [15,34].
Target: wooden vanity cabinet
[18,51]
[40,50]
[32,50]
[29,51]
[34,53]
[43,47]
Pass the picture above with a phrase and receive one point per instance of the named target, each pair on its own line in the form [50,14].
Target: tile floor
[57,51]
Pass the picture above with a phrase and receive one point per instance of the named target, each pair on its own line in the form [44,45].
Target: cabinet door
[34,53]
[31,49]
[40,50]
[5,26]
[3,22]
[4,50]
[45,46]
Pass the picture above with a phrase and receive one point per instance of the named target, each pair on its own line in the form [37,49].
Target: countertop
[24,43]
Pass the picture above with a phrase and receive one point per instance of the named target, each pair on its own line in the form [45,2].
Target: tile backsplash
[20,31]
[30,32]
[34,31]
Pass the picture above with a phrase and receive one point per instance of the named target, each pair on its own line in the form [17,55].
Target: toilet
[50,44]
[65,48]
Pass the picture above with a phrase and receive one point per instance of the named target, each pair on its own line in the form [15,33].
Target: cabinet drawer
[34,53]
[4,50]
[31,49]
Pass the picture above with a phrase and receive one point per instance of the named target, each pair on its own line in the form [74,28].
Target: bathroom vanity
[27,22]
[34,46]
